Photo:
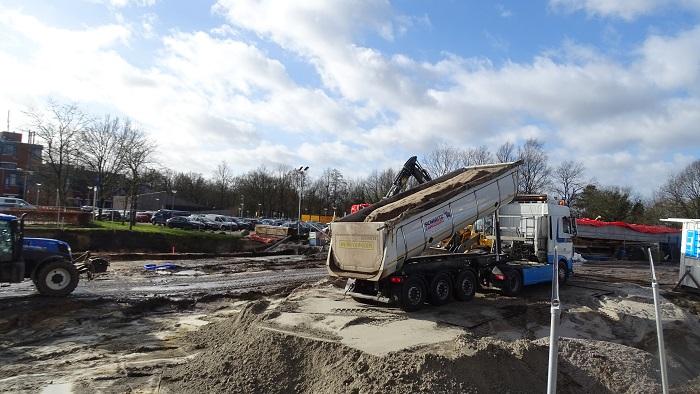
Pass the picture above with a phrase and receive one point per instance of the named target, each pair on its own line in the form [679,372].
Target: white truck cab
[532,226]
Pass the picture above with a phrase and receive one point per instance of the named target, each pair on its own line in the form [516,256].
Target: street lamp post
[260,210]
[301,171]
[172,206]
[38,189]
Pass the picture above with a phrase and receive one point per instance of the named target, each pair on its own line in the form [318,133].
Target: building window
[35,153]
[8,165]
[9,149]
[11,180]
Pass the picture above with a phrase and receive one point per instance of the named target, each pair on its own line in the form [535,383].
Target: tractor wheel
[57,278]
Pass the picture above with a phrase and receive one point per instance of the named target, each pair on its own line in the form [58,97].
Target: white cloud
[503,12]
[624,9]
[673,62]
[584,100]
[212,96]
[136,3]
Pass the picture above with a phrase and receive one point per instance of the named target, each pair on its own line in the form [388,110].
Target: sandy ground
[277,336]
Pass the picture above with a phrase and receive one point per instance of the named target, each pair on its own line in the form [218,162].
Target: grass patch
[101,226]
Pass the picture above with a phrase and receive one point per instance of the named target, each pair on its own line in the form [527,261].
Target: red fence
[52,215]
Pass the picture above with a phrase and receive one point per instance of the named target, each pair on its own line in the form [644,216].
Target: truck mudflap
[354,289]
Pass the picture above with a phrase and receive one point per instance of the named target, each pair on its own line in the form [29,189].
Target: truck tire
[564,273]
[440,290]
[413,294]
[465,285]
[57,278]
[513,284]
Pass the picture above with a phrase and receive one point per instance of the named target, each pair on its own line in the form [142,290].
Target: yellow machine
[465,240]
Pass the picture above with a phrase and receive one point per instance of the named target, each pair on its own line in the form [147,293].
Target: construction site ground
[278,324]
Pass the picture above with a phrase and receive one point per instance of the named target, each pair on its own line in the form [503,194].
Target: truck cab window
[5,241]
[566,225]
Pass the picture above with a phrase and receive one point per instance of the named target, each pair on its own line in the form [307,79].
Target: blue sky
[362,85]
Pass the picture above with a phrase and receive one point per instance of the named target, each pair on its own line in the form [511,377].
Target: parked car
[144,217]
[244,224]
[207,224]
[109,214]
[183,222]
[304,228]
[225,223]
[161,216]
[11,202]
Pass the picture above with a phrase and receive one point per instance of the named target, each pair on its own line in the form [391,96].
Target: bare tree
[378,184]
[223,180]
[535,171]
[568,180]
[136,158]
[477,156]
[442,160]
[506,152]
[682,191]
[59,128]
[102,150]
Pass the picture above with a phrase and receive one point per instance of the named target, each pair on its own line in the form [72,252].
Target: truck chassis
[439,278]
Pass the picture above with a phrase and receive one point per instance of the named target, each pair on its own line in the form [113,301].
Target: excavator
[410,169]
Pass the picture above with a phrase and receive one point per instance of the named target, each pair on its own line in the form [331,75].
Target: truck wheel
[465,285]
[563,273]
[513,284]
[413,294]
[57,278]
[440,289]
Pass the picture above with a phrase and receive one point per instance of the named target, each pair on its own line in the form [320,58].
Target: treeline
[274,192]
[82,151]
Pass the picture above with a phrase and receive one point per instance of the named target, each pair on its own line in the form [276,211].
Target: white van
[12,202]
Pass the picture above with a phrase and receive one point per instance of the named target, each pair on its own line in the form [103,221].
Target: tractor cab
[12,266]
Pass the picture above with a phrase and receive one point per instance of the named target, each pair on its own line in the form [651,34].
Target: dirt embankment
[315,340]
[241,356]
[115,241]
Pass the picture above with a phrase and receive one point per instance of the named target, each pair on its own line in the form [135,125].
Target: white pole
[94,198]
[659,326]
[301,191]
[58,209]
[555,311]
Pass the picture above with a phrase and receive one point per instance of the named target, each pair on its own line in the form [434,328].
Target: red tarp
[641,228]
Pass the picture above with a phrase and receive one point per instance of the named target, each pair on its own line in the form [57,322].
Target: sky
[363,85]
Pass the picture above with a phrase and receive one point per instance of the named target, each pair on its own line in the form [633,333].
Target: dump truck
[49,263]
[384,250]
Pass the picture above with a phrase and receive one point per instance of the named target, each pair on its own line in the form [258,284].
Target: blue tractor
[48,263]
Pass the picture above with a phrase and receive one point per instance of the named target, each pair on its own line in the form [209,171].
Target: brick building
[18,161]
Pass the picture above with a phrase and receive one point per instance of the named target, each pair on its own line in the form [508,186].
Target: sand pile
[238,355]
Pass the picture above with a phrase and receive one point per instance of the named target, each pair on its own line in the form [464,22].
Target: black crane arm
[410,169]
